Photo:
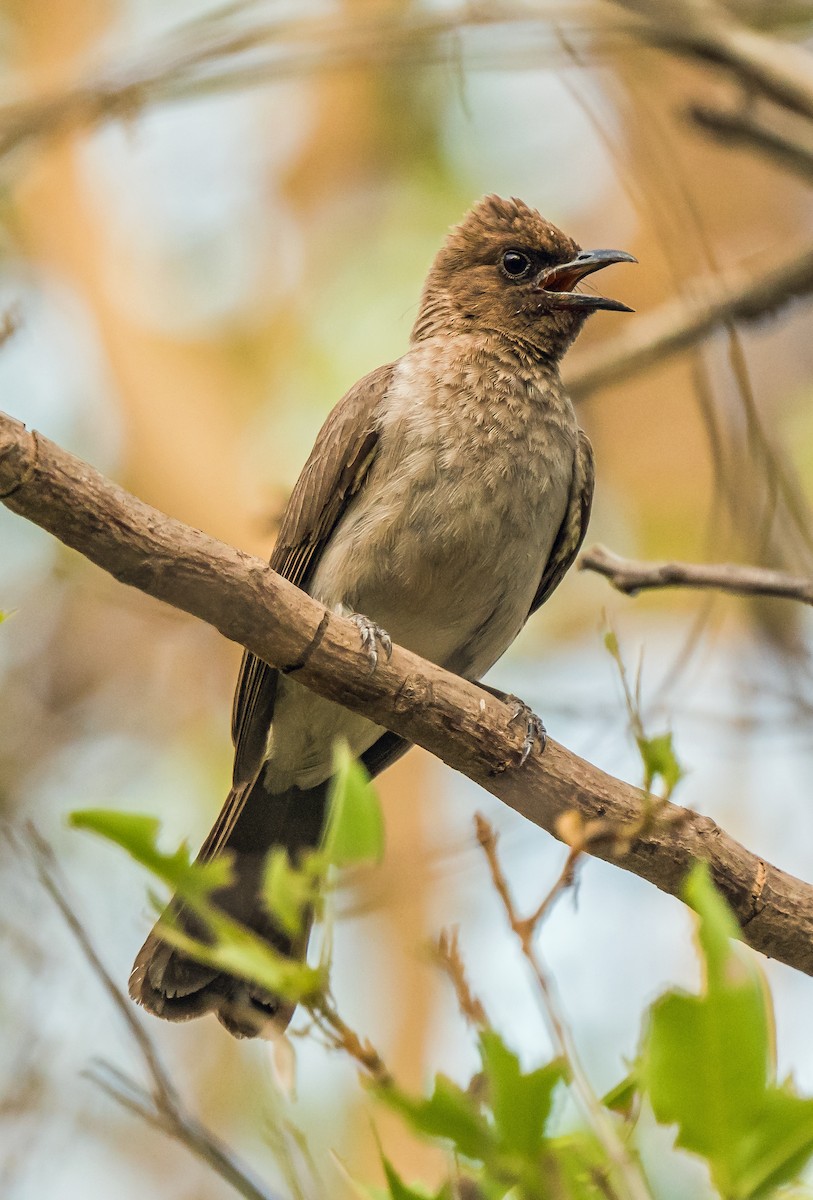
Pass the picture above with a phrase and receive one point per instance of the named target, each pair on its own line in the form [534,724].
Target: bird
[444,499]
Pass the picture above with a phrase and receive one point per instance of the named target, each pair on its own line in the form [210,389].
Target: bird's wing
[332,476]
[574,526]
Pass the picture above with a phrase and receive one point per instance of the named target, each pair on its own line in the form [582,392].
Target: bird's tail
[170,984]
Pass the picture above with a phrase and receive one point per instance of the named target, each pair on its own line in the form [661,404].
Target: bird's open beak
[560,281]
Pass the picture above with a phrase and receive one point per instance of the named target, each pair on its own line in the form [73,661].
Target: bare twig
[471,731]
[525,928]
[709,31]
[340,1036]
[161,1107]
[224,50]
[630,576]
[166,1095]
[740,127]
[210,56]
[447,954]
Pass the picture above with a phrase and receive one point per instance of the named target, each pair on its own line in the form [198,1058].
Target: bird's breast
[446,543]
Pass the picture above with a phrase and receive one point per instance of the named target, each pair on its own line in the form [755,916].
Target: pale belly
[452,582]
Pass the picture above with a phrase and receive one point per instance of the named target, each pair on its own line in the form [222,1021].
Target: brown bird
[445,498]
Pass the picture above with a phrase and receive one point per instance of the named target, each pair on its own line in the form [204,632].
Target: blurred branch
[339,1036]
[202,57]
[160,1107]
[446,952]
[467,728]
[740,127]
[710,31]
[224,50]
[678,324]
[630,576]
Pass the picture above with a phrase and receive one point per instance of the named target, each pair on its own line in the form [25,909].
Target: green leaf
[232,947]
[398,1190]
[621,1098]
[449,1113]
[707,1057]
[576,1167]
[138,835]
[288,892]
[521,1103]
[776,1151]
[239,951]
[355,830]
[660,761]
[708,1065]
[717,929]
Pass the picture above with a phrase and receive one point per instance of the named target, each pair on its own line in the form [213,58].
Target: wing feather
[574,526]
[334,473]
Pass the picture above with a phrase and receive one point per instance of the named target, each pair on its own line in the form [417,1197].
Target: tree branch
[631,576]
[468,729]
[709,31]
[740,127]
[208,55]
[676,325]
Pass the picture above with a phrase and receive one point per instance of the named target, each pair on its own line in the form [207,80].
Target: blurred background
[213,219]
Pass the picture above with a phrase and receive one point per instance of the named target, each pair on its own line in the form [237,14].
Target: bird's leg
[372,636]
[535,732]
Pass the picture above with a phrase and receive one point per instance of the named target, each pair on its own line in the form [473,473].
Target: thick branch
[471,731]
[630,576]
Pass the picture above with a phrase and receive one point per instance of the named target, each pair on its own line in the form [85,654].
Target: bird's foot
[535,732]
[372,636]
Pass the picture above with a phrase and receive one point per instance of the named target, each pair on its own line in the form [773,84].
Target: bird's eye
[516,264]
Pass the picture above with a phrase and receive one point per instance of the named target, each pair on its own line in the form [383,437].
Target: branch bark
[630,575]
[468,729]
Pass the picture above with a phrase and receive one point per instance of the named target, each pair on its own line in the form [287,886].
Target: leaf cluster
[705,1067]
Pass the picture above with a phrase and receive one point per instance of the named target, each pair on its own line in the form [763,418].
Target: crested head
[493,223]
[506,269]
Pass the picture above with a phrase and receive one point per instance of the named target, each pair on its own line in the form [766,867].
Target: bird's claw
[535,732]
[372,636]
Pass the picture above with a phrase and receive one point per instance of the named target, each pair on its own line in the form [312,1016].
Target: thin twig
[710,31]
[631,576]
[166,1095]
[525,928]
[161,1107]
[741,128]
[205,57]
[340,1036]
[447,954]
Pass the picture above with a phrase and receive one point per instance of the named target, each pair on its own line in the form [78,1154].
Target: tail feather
[170,984]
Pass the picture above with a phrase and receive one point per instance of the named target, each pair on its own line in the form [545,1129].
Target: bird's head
[505,269]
